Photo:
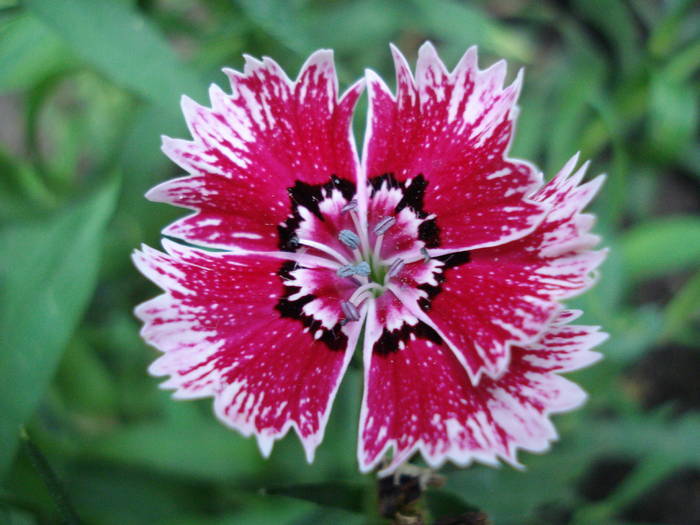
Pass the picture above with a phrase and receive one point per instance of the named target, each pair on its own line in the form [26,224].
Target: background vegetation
[86,89]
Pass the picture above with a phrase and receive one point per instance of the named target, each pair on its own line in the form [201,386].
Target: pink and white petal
[454,129]
[218,221]
[403,238]
[566,229]
[559,253]
[485,306]
[223,333]
[565,347]
[508,294]
[419,398]
[327,291]
[407,391]
[266,135]
[326,231]
[415,286]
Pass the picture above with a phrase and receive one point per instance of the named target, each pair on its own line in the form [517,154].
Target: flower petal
[254,144]
[508,294]
[229,328]
[454,129]
[419,398]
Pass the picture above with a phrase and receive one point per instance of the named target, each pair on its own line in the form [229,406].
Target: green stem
[48,476]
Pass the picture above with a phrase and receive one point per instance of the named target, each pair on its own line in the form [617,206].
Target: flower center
[367,249]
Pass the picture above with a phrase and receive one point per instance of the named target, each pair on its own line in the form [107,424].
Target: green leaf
[650,471]
[283,20]
[658,443]
[67,113]
[548,478]
[674,439]
[445,504]
[122,44]
[662,247]
[123,496]
[343,495]
[578,75]
[52,482]
[48,271]
[11,516]
[257,509]
[666,33]
[683,309]
[613,200]
[29,52]
[295,28]
[185,443]
[532,121]
[673,116]
[616,21]
[463,24]
[267,513]
[85,381]
[21,189]
[362,35]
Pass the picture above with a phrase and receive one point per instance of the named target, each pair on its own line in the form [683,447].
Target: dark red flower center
[364,250]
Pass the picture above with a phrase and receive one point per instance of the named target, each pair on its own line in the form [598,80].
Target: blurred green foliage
[86,89]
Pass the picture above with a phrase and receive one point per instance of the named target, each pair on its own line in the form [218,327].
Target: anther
[395,267]
[362,268]
[383,226]
[346,271]
[352,205]
[349,239]
[425,254]
[354,269]
[350,311]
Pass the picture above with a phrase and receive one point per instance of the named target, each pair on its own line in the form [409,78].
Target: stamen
[363,232]
[301,253]
[422,255]
[364,297]
[346,271]
[354,269]
[383,226]
[349,239]
[395,267]
[362,290]
[352,205]
[350,311]
[326,249]
[304,259]
[378,247]
[363,268]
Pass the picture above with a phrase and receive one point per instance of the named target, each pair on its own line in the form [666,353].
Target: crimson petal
[254,144]
[420,398]
[508,294]
[222,330]
[454,129]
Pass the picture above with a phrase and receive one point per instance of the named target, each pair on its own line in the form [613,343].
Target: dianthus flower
[444,257]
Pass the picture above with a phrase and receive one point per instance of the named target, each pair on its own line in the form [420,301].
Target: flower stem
[53,484]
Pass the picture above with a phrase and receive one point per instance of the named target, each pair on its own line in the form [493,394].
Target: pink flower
[451,256]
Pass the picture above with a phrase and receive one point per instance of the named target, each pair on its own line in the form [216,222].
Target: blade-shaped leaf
[683,311]
[122,44]
[673,116]
[463,24]
[48,271]
[344,495]
[184,443]
[662,246]
[30,52]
